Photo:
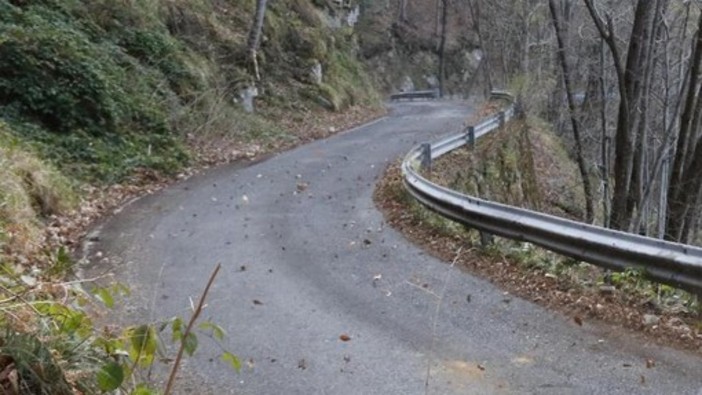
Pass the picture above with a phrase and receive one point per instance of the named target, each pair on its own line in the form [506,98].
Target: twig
[422,289]
[436,319]
[191,323]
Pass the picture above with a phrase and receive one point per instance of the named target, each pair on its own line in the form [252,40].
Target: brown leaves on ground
[558,293]
[9,377]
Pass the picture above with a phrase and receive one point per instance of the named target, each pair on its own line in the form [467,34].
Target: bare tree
[632,86]
[575,126]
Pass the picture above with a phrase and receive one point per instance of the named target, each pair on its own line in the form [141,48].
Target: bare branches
[189,329]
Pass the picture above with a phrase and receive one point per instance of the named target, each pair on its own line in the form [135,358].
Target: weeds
[52,346]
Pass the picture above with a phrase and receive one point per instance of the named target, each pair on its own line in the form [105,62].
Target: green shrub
[87,105]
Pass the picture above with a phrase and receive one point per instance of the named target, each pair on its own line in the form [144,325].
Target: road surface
[307,258]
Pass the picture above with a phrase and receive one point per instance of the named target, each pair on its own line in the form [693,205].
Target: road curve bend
[307,258]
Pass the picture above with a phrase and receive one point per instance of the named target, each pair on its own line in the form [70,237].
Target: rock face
[343,13]
[407,84]
[431,81]
[352,16]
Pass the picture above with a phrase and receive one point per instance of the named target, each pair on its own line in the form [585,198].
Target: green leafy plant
[60,349]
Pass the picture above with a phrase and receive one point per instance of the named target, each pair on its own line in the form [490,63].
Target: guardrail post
[471,136]
[426,156]
[501,118]
[486,239]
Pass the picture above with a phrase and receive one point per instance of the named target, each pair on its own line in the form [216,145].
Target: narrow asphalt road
[299,235]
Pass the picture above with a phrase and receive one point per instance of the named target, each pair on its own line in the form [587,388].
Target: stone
[352,16]
[247,96]
[316,73]
[651,320]
[607,289]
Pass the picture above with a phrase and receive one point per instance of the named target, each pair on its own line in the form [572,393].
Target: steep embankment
[101,90]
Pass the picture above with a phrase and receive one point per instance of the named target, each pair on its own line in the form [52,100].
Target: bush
[87,105]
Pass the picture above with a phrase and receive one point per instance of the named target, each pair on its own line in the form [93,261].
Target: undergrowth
[51,344]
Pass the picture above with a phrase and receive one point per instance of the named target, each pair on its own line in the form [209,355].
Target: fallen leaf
[344,337]
[257,302]
[578,320]
[481,367]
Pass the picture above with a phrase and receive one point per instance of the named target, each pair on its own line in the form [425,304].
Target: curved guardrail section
[670,263]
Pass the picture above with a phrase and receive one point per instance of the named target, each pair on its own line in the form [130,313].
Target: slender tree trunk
[402,14]
[255,36]
[475,17]
[442,48]
[437,20]
[605,137]
[582,166]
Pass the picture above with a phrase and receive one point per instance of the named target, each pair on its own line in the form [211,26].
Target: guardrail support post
[471,137]
[426,156]
[486,239]
[501,118]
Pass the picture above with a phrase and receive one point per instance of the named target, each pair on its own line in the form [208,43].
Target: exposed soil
[586,305]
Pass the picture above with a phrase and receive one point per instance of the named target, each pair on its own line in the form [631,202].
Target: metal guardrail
[428,94]
[670,263]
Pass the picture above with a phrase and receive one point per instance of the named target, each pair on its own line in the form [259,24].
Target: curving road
[299,234]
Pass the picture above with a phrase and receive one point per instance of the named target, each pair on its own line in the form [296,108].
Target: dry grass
[30,190]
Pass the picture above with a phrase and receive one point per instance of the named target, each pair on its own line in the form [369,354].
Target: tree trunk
[582,166]
[402,14]
[255,36]
[685,171]
[442,47]
[630,77]
[475,17]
